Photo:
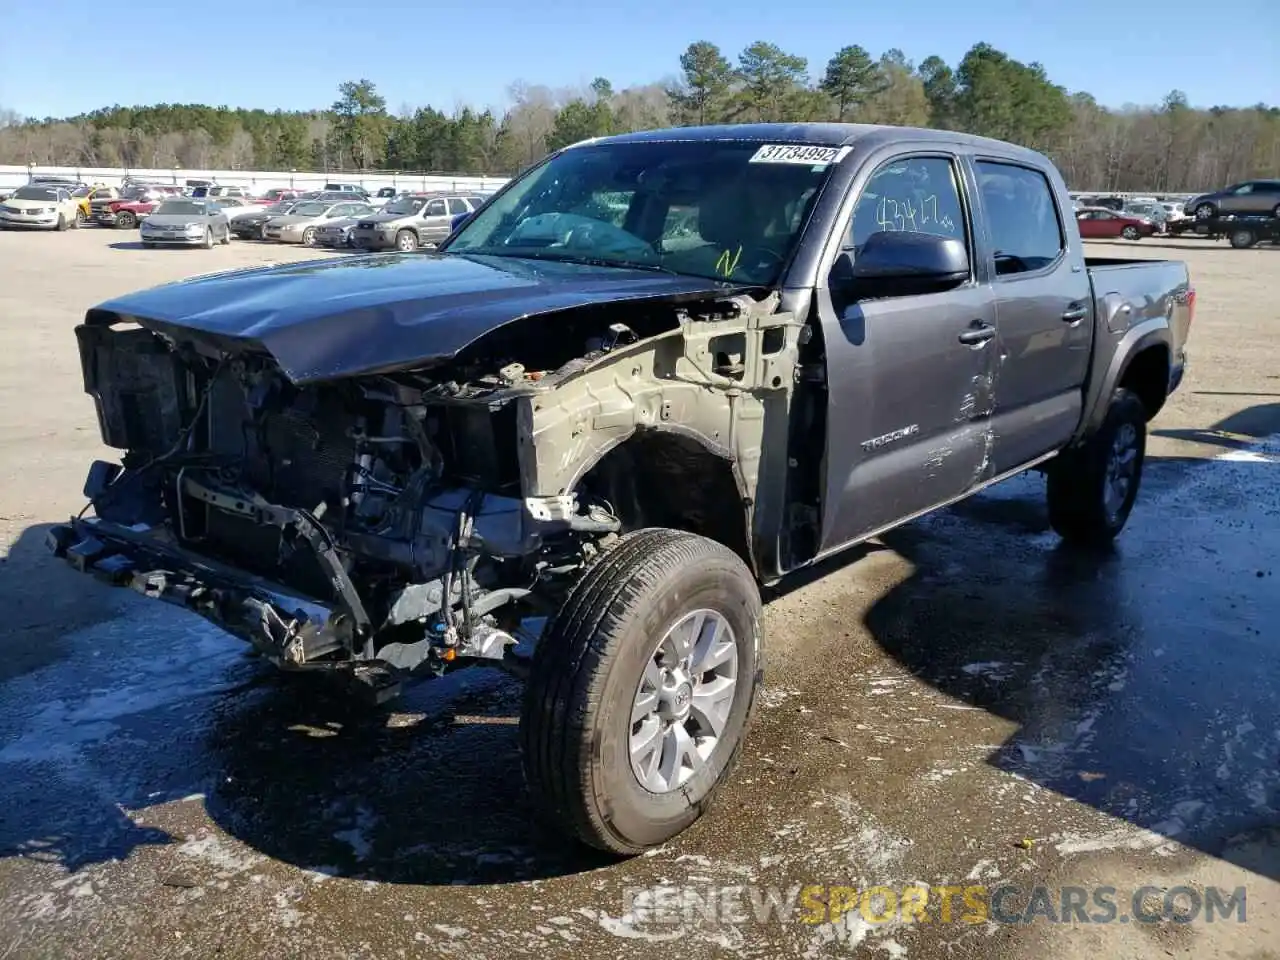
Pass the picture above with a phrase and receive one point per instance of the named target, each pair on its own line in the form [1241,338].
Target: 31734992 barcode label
[802,154]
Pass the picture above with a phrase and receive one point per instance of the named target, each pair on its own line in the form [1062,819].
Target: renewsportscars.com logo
[671,908]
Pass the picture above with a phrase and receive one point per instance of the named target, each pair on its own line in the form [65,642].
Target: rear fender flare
[1154,332]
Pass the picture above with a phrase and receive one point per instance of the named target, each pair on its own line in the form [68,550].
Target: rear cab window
[1022,217]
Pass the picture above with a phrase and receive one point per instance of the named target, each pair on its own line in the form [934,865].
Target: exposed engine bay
[413,518]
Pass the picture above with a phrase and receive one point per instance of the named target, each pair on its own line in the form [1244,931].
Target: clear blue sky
[292,54]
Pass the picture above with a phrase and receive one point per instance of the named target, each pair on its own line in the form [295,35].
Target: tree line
[1168,146]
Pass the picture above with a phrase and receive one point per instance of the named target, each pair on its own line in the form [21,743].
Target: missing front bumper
[292,631]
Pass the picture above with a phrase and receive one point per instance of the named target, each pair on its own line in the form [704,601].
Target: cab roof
[863,135]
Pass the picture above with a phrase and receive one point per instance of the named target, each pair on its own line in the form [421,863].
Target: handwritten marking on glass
[728,262]
[898,214]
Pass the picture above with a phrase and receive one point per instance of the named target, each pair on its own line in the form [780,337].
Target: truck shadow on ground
[1144,680]
[430,792]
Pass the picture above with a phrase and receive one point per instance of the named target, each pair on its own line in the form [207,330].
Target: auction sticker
[802,154]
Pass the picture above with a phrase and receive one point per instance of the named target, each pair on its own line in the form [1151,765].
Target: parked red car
[275,195]
[134,205]
[1099,223]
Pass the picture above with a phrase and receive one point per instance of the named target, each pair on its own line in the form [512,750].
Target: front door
[1044,308]
[435,220]
[910,378]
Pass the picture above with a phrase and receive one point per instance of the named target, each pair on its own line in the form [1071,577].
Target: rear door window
[1022,217]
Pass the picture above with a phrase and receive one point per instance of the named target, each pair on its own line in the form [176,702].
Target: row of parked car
[202,213]
[406,222]
[1230,212]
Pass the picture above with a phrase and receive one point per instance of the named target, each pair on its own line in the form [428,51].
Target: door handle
[1075,314]
[978,333]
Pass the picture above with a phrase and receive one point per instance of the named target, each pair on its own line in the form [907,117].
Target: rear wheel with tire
[1242,239]
[1092,487]
[641,690]
[1131,233]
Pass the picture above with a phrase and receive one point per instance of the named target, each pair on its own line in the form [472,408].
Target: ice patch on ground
[1160,839]
[190,661]
[221,854]
[358,834]
[995,670]
[1247,456]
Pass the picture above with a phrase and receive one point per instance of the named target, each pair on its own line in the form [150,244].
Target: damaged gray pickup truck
[654,373]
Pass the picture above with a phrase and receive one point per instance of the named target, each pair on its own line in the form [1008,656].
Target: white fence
[259,180]
[256,180]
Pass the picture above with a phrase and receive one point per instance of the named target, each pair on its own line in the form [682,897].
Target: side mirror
[458,220]
[901,263]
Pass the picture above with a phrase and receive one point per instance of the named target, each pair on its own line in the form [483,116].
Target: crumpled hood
[325,319]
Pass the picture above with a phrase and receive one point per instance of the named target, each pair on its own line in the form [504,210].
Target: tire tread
[577,648]
[1075,510]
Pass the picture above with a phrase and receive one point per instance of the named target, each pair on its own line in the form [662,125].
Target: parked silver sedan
[300,224]
[336,233]
[187,223]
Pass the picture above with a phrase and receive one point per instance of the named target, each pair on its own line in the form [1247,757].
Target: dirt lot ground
[963,704]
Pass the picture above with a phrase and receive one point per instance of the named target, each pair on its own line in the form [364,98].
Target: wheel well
[666,479]
[1148,376]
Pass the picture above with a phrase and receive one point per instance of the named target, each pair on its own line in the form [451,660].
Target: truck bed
[1132,297]
[1128,292]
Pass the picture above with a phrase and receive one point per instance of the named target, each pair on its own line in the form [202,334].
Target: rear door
[1044,310]
[1265,199]
[1238,199]
[909,377]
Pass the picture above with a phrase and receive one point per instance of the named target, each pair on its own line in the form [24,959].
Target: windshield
[405,205]
[284,206]
[35,193]
[310,209]
[181,208]
[727,210]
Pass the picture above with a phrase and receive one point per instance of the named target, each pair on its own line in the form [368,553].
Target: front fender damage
[424,514]
[722,379]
